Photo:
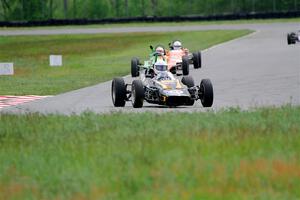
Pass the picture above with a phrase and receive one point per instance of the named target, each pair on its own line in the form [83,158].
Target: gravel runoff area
[257,70]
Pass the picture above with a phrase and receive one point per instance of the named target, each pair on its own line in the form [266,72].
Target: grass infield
[87,59]
[224,155]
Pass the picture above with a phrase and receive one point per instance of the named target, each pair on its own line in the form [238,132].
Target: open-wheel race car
[178,59]
[155,55]
[162,88]
[293,37]
[178,56]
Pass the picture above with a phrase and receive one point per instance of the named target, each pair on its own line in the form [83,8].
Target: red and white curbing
[6,101]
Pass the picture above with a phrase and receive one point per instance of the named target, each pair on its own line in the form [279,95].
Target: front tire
[197,60]
[289,39]
[206,93]
[189,82]
[137,94]
[135,67]
[118,92]
[293,38]
[185,65]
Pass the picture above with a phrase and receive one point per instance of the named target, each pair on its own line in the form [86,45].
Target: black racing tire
[293,38]
[190,102]
[137,94]
[118,92]
[188,81]
[185,65]
[206,93]
[289,39]
[135,67]
[197,60]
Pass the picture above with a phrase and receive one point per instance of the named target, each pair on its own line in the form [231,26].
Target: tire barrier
[236,16]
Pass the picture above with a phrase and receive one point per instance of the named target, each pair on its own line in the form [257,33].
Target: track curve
[257,70]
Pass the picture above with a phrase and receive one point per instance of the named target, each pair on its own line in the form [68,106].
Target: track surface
[253,71]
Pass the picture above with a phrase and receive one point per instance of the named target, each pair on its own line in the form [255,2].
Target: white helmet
[160,66]
[177,45]
[159,50]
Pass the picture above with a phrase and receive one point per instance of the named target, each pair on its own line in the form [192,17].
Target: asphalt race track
[257,70]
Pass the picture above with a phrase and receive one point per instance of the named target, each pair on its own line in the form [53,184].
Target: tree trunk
[117,2]
[114,4]
[154,6]
[232,6]
[274,5]
[50,9]
[126,8]
[143,8]
[74,9]
[253,6]
[6,8]
[5,4]
[190,7]
[66,8]
[23,9]
[43,8]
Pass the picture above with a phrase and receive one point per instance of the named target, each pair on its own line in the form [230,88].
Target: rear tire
[197,60]
[137,94]
[185,65]
[135,67]
[118,92]
[206,93]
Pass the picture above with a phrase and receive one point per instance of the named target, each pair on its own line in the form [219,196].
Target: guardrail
[238,16]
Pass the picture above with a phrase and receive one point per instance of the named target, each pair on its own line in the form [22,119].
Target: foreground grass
[87,59]
[225,155]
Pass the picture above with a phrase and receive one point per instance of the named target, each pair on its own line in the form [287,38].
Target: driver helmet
[177,45]
[160,66]
[159,50]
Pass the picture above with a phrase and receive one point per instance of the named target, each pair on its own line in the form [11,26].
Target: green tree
[98,9]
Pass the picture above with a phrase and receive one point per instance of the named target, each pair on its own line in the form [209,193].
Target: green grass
[225,155]
[138,24]
[87,59]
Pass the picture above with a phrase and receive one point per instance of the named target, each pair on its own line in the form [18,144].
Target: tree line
[26,10]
